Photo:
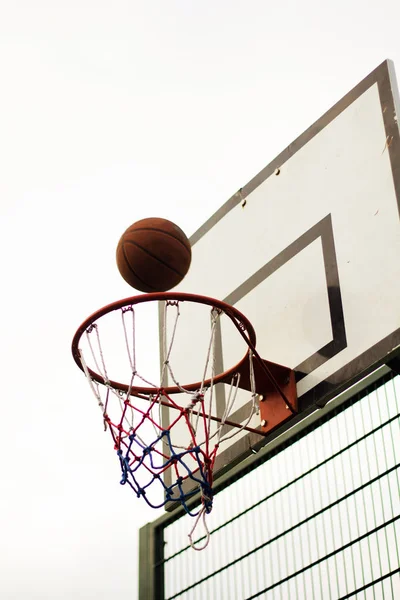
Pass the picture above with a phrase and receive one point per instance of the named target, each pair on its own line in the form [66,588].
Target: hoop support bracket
[276,388]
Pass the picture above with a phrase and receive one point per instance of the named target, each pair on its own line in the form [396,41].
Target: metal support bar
[151,574]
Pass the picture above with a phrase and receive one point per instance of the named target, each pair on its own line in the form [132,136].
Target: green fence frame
[151,540]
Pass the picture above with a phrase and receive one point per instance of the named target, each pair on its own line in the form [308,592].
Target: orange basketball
[153,255]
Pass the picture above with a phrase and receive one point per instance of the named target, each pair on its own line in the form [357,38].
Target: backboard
[309,251]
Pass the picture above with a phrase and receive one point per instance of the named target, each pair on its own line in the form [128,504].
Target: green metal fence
[319,518]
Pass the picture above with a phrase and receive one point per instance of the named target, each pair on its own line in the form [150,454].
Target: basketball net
[147,444]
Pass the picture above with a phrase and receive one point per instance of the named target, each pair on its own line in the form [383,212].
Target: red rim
[241,322]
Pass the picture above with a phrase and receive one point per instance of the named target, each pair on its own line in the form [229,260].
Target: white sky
[111,111]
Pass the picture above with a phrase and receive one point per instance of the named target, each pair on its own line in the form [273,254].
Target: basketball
[153,255]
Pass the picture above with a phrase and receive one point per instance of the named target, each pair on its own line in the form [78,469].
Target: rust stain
[388,143]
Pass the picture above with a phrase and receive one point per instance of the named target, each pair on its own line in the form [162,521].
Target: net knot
[198,396]
[92,327]
[206,497]
[125,309]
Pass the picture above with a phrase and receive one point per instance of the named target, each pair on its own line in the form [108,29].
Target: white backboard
[309,251]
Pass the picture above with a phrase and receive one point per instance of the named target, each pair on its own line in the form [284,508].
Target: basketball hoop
[133,409]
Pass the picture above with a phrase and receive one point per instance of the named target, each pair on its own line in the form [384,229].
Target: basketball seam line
[134,272]
[153,256]
[163,232]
